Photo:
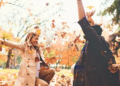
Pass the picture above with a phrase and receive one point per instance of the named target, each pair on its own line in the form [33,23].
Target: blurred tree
[18,60]
[8,60]
[114,10]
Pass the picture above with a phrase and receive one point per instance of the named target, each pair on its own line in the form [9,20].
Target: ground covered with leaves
[61,78]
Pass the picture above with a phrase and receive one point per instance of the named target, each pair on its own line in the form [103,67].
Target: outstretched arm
[19,46]
[89,31]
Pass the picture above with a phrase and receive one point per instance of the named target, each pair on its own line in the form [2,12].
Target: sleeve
[89,31]
[19,46]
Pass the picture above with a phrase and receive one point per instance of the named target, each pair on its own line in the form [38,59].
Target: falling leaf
[47,4]
[68,27]
[38,31]
[2,3]
[36,27]
[53,20]
[64,23]
[31,14]
[63,34]
[25,31]
[10,30]
[53,25]
[90,7]
[56,35]
[77,39]
[29,10]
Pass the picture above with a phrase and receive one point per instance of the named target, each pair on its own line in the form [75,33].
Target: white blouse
[38,66]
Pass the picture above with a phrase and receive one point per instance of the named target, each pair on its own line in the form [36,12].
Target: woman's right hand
[113,68]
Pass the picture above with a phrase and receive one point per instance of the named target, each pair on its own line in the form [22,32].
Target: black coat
[96,67]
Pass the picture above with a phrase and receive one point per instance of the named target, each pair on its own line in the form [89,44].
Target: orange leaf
[63,34]
[44,38]
[29,10]
[30,14]
[68,27]
[38,31]
[53,25]
[90,7]
[63,23]
[53,20]
[77,39]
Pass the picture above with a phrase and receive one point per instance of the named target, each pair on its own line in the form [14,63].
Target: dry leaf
[36,27]
[44,38]
[38,31]
[63,34]
[53,20]
[47,4]
[53,25]
[90,7]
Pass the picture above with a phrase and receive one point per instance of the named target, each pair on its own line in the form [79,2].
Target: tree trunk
[8,60]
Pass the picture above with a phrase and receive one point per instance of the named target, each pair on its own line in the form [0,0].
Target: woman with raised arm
[93,67]
[32,61]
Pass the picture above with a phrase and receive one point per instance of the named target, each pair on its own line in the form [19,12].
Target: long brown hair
[30,35]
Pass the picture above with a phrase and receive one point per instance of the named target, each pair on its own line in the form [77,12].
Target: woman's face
[34,40]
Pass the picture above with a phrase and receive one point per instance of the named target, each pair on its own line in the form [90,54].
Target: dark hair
[98,29]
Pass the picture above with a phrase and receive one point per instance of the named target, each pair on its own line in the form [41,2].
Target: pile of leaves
[7,79]
[61,78]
